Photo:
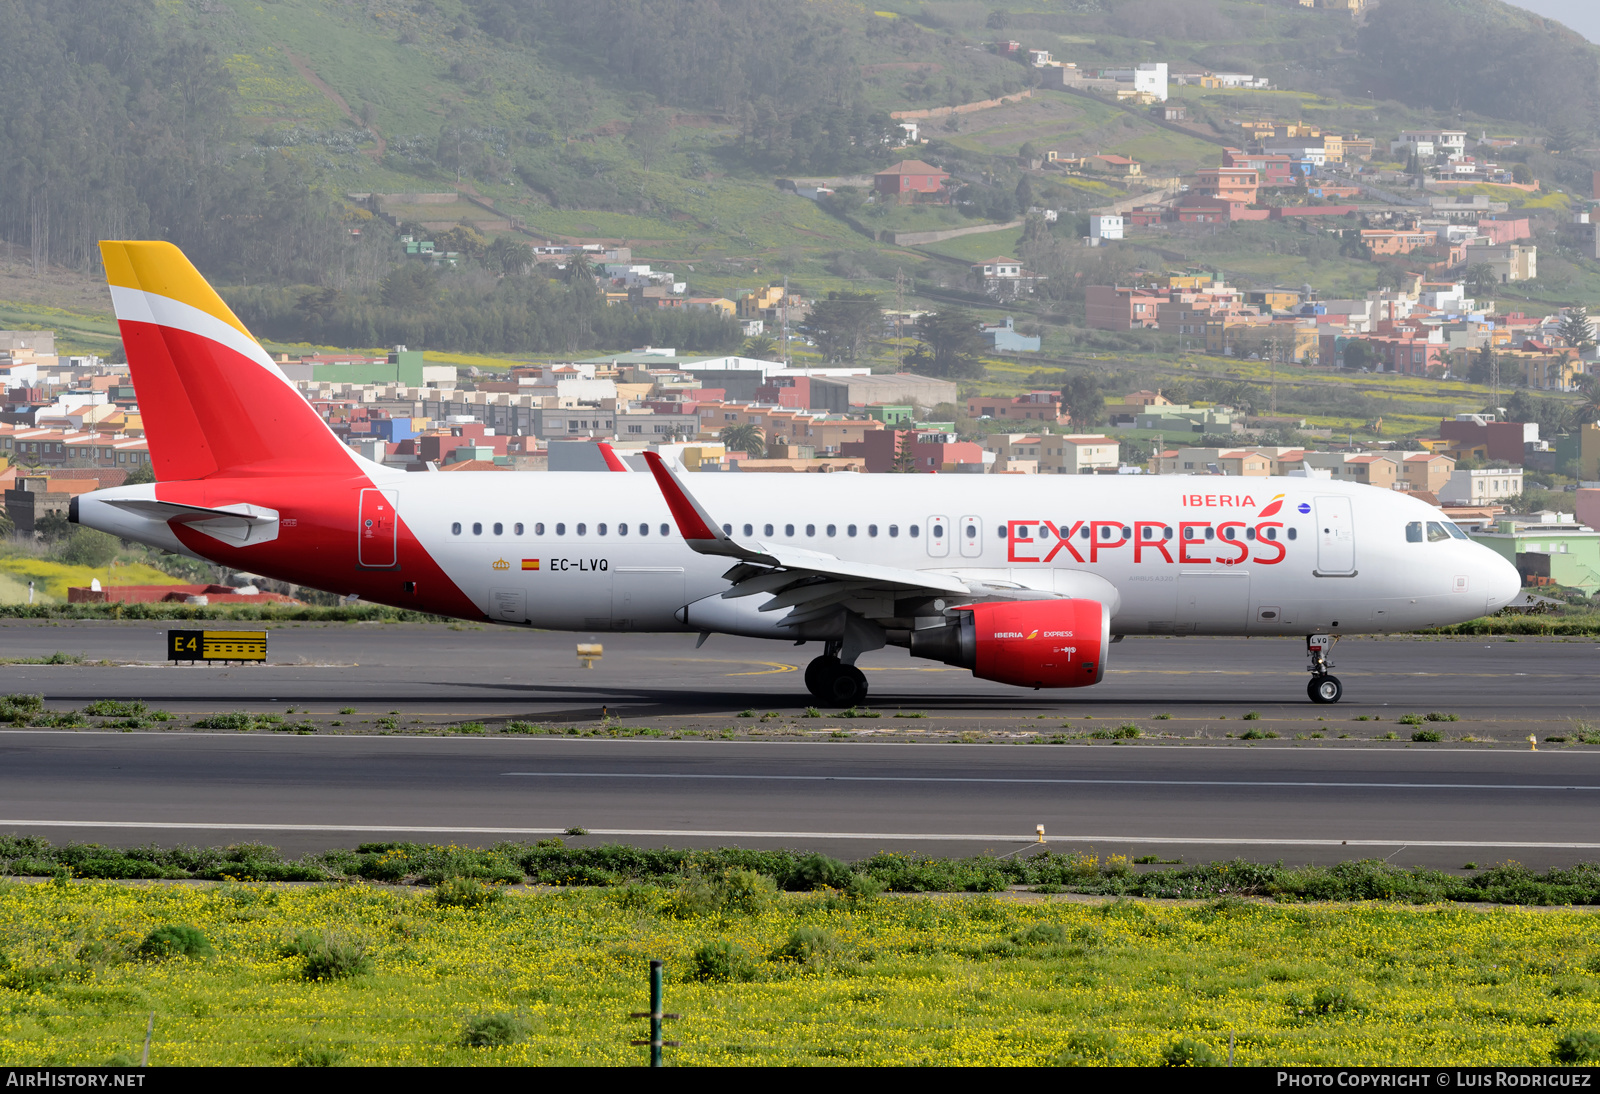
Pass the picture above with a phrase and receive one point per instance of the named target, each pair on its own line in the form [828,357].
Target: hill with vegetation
[244,130]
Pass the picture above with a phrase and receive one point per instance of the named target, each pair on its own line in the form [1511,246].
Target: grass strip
[553,862]
[239,974]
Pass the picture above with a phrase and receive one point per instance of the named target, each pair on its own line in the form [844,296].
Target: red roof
[1120,161]
[912,167]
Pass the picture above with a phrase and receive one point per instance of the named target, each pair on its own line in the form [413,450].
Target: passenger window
[1044,532]
[538,529]
[1272,533]
[561,529]
[1454,530]
[833,530]
[1085,533]
[872,529]
[599,529]
[894,531]
[1211,533]
[850,530]
[1293,534]
[788,530]
[666,529]
[749,530]
[766,529]
[938,531]
[581,529]
[499,529]
[622,529]
[811,529]
[1166,533]
[1436,532]
[999,530]
[1249,533]
[1414,532]
[477,529]
[1105,533]
[914,531]
[644,529]
[727,529]
[516,529]
[1127,533]
[455,529]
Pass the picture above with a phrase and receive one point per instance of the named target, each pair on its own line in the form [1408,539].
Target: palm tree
[760,347]
[746,438]
[1589,409]
[578,269]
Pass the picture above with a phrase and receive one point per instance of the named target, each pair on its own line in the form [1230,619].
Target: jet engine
[1029,643]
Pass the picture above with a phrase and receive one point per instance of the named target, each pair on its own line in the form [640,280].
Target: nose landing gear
[1323,686]
[832,681]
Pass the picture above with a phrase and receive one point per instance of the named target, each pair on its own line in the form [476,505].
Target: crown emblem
[501,564]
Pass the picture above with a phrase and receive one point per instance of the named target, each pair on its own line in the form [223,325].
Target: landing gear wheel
[846,686]
[818,672]
[1325,689]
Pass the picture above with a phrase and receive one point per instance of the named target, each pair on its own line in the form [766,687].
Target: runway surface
[1325,788]
[493,672]
[1443,807]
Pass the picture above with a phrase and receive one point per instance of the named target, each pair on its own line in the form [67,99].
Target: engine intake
[1031,643]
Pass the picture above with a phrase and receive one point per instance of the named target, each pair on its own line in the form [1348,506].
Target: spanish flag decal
[1273,506]
[530,564]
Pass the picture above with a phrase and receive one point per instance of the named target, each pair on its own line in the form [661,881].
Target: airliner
[1027,580]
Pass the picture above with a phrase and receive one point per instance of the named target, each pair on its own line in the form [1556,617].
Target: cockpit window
[1455,530]
[1414,532]
[1436,532]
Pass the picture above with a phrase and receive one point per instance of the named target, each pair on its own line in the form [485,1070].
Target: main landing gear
[833,682]
[1323,686]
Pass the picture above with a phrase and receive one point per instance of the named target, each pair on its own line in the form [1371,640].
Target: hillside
[662,126]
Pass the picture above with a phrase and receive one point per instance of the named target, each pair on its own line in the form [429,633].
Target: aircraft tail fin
[211,399]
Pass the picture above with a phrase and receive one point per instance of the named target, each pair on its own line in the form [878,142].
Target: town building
[910,180]
[1547,548]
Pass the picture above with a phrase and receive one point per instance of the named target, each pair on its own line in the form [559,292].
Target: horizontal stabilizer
[240,525]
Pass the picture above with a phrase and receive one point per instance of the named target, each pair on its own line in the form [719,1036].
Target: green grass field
[363,975]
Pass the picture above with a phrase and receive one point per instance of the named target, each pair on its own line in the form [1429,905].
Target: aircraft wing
[810,583]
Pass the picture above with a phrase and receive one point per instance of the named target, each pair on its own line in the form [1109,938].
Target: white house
[1105,227]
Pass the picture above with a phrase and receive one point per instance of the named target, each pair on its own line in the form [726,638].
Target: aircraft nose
[1501,580]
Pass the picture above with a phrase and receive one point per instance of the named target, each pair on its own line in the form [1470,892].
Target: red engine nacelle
[1029,643]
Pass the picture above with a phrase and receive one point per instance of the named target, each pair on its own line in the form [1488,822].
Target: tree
[1588,410]
[410,288]
[1084,401]
[844,324]
[905,458]
[745,437]
[948,345]
[1023,194]
[87,547]
[1358,355]
[1482,279]
[578,269]
[463,239]
[510,256]
[139,475]
[760,347]
[1482,369]
[1521,174]
[1576,328]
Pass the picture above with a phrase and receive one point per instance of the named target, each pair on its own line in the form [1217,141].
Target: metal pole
[655,1013]
[144,1059]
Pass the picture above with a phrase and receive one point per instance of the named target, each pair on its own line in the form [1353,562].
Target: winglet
[699,530]
[613,461]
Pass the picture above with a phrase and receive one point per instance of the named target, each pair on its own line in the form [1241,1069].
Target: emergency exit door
[1336,538]
[376,529]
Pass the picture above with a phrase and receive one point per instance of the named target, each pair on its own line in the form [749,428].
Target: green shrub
[237,720]
[475,728]
[817,871]
[1440,716]
[329,955]
[317,1056]
[1124,732]
[723,962]
[1427,735]
[1189,1053]
[812,947]
[466,892]
[116,708]
[1252,716]
[1041,934]
[494,1031]
[522,727]
[19,709]
[175,940]
[735,890]
[1333,1000]
[1580,1047]
[1411,719]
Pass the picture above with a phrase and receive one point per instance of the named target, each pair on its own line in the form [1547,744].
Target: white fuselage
[1187,555]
